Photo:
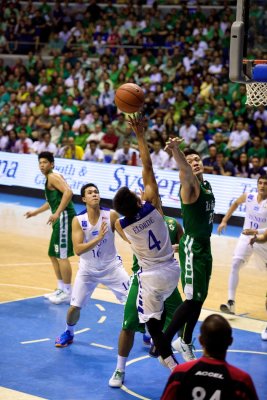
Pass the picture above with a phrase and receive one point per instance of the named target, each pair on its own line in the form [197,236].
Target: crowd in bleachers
[64,103]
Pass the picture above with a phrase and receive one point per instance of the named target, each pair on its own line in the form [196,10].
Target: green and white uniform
[131,320]
[60,243]
[194,247]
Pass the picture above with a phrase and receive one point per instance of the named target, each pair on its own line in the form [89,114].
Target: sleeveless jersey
[149,236]
[104,254]
[256,213]
[54,197]
[172,228]
[198,217]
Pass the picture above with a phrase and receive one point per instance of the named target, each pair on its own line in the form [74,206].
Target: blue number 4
[152,241]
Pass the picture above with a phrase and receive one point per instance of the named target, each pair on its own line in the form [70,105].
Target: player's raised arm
[189,181]
[150,185]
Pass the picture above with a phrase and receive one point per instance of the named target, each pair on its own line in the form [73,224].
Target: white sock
[121,362]
[70,328]
[60,284]
[67,288]
[170,362]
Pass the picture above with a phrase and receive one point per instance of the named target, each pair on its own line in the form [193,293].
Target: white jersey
[103,256]
[256,213]
[149,236]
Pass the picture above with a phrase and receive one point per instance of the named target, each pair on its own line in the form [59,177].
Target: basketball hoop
[257,86]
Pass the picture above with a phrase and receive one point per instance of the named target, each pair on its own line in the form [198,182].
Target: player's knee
[237,264]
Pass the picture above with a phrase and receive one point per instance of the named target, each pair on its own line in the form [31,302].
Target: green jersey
[172,228]
[198,217]
[54,198]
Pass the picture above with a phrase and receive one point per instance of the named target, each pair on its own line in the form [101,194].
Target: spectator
[126,154]
[82,136]
[242,166]
[261,113]
[191,379]
[3,140]
[188,131]
[82,120]
[44,122]
[66,132]
[255,171]
[200,145]
[72,151]
[106,101]
[120,126]
[97,134]
[257,150]
[56,130]
[159,157]
[24,143]
[222,166]
[238,140]
[44,144]
[109,142]
[208,162]
[93,153]
[12,140]
[55,109]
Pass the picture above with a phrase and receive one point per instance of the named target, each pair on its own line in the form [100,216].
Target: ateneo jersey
[148,233]
[104,255]
[256,213]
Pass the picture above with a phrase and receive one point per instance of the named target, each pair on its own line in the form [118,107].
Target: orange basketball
[129,98]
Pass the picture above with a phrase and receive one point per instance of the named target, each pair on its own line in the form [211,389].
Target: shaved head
[215,335]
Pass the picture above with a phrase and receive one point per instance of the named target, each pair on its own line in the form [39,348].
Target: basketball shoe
[229,307]
[64,340]
[60,297]
[186,350]
[56,291]
[117,379]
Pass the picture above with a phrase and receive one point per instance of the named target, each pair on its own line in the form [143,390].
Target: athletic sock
[70,328]
[121,362]
[170,362]
[60,284]
[67,288]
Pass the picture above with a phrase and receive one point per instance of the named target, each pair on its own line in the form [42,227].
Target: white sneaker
[264,334]
[59,298]
[117,379]
[56,291]
[228,308]
[185,349]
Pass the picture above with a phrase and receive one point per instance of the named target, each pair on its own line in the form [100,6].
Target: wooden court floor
[25,270]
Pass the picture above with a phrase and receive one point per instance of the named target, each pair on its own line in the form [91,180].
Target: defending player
[197,203]
[93,240]
[58,195]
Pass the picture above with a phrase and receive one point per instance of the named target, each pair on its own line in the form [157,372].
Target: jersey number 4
[152,241]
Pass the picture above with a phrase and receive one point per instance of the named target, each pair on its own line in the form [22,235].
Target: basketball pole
[238,44]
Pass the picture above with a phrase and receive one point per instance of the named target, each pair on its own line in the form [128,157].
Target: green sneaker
[117,379]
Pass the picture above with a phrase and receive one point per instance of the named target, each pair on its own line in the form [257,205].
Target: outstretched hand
[173,143]
[137,123]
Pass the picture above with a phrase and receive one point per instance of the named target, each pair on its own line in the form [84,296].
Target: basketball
[129,98]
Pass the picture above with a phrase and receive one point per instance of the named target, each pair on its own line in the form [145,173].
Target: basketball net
[256,94]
